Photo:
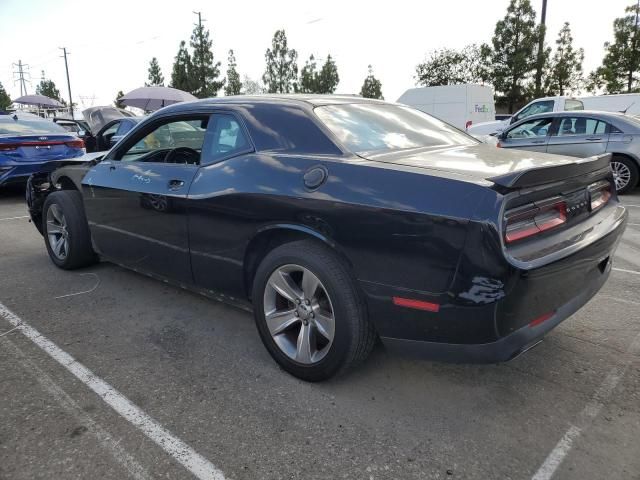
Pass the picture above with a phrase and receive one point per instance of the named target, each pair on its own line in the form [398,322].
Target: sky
[111,43]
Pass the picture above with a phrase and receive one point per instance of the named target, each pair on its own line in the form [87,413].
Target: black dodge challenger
[340,220]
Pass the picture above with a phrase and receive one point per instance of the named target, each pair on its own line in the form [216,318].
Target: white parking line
[625,271]
[13,218]
[588,414]
[627,205]
[179,450]
[137,471]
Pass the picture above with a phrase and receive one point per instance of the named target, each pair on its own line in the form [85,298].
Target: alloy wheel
[621,174]
[57,232]
[299,314]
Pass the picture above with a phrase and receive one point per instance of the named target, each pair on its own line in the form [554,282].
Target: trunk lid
[37,148]
[508,169]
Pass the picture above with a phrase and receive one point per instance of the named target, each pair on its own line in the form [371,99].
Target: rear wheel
[66,233]
[625,173]
[309,312]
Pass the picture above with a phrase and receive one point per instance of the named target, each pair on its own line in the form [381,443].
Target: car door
[579,137]
[529,135]
[135,198]
[218,219]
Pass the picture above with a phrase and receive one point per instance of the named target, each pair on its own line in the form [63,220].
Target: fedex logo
[481,109]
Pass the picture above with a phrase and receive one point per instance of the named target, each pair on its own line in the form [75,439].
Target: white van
[628,103]
[459,105]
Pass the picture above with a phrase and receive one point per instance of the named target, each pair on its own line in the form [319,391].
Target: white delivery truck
[459,105]
[626,103]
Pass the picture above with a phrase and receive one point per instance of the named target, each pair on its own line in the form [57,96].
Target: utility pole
[633,48]
[540,65]
[21,72]
[66,67]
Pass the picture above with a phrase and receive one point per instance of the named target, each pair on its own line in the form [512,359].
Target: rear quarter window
[287,129]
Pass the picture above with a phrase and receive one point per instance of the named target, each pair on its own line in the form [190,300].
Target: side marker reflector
[416,304]
[541,319]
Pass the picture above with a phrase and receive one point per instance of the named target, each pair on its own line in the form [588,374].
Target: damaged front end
[60,175]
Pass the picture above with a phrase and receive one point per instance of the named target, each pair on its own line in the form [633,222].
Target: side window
[581,126]
[530,129]
[124,128]
[111,130]
[228,137]
[175,141]
[535,108]
[572,104]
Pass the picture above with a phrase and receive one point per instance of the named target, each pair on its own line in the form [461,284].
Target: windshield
[9,126]
[368,127]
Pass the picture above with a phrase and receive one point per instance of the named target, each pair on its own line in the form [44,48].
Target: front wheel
[66,232]
[309,312]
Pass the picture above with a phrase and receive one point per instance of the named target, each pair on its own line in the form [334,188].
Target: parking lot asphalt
[568,409]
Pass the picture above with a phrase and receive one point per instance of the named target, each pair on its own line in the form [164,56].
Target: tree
[48,88]
[155,74]
[252,87]
[512,55]
[182,67]
[309,77]
[448,66]
[282,70]
[372,87]
[117,102]
[205,71]
[621,62]
[328,77]
[5,99]
[234,85]
[566,66]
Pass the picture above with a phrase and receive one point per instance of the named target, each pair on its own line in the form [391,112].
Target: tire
[336,296]
[624,168]
[63,216]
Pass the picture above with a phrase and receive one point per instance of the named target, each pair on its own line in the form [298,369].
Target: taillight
[75,143]
[8,148]
[530,220]
[468,124]
[600,194]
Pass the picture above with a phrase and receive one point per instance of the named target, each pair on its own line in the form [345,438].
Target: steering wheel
[185,151]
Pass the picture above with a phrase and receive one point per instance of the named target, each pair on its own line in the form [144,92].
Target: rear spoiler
[540,176]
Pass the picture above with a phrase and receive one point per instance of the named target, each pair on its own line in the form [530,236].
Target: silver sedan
[582,134]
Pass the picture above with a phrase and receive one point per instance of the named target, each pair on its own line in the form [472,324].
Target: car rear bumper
[505,348]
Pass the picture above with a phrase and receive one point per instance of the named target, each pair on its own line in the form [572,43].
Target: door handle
[594,139]
[538,141]
[175,184]
[112,168]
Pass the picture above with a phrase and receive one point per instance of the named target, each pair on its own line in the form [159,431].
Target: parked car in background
[338,219]
[458,105]
[101,127]
[29,144]
[540,105]
[582,134]
[628,103]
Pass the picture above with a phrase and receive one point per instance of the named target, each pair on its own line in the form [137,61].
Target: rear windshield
[9,126]
[367,127]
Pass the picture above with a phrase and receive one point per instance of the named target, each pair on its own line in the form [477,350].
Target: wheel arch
[271,236]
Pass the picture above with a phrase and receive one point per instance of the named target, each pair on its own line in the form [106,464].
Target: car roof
[310,100]
[579,113]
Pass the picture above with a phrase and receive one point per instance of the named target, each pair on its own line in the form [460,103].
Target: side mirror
[82,133]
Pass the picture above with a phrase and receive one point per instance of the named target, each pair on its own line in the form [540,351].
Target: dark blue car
[28,144]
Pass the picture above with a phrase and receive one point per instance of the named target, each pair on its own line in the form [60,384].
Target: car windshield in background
[369,127]
[9,126]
